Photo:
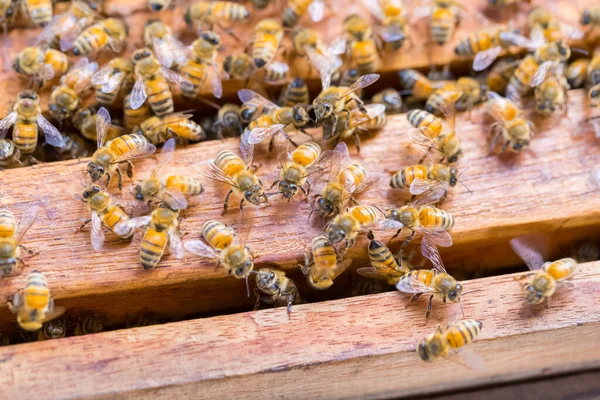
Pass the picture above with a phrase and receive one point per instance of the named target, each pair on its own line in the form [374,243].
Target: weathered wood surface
[546,188]
[362,347]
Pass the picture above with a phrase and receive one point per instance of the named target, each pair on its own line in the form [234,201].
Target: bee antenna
[461,308]
[248,285]
[580,51]
[464,170]
[465,186]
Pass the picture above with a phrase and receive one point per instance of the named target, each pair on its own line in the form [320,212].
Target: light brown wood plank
[546,188]
[350,348]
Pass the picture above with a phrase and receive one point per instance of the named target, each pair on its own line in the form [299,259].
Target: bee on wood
[384,265]
[266,40]
[510,125]
[215,13]
[274,287]
[202,63]
[450,339]
[11,235]
[427,136]
[65,98]
[34,306]
[109,32]
[465,93]
[417,85]
[370,118]
[361,44]
[392,16]
[420,178]
[178,125]
[113,80]
[347,226]
[39,11]
[551,95]
[39,64]
[295,9]
[10,156]
[323,264]
[63,29]
[485,45]
[85,121]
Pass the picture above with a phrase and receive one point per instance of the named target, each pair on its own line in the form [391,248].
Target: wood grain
[360,347]
[546,188]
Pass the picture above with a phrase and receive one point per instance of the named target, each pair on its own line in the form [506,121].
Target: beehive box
[344,343]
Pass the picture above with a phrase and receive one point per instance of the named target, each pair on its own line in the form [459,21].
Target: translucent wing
[138,94]
[338,46]
[541,73]
[439,236]
[113,83]
[359,117]
[55,313]
[341,267]
[430,252]
[125,227]
[164,53]
[102,125]
[417,136]
[6,123]
[102,75]
[282,150]
[211,171]
[171,76]
[201,249]
[173,119]
[116,45]
[467,357]
[374,8]
[47,72]
[27,220]
[411,285]
[419,186]
[70,32]
[449,111]
[215,80]
[50,31]
[175,243]
[325,65]
[96,232]
[316,9]
[390,224]
[280,68]
[370,272]
[571,32]
[516,39]
[429,197]
[166,155]
[391,34]
[248,96]
[138,152]
[246,148]
[361,83]
[531,249]
[174,198]
[53,136]
[258,135]
[369,183]
[246,221]
[485,58]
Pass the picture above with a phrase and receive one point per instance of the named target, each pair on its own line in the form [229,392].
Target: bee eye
[9,11]
[239,271]
[248,193]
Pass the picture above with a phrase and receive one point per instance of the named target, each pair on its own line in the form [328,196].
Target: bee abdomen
[114,216]
[432,217]
[306,154]
[153,247]
[25,137]
[127,143]
[40,11]
[403,178]
[217,234]
[195,73]
[187,186]
[160,97]
[36,293]
[463,332]
[561,269]
[229,163]
[8,224]
[106,99]
[381,257]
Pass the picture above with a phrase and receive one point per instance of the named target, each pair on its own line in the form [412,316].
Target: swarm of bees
[146,86]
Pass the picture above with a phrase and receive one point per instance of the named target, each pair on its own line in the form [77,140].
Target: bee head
[335,233]
[455,156]
[247,114]
[455,293]
[287,189]
[532,295]
[453,177]
[519,144]
[90,191]
[301,117]
[325,208]
[28,95]
[242,270]
[254,194]
[139,194]
[141,54]
[265,277]
[58,112]
[212,38]
[96,171]
[154,6]
[322,110]
[423,350]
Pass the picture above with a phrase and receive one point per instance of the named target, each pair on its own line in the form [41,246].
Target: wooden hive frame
[366,343]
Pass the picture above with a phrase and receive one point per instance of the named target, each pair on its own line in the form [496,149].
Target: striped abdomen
[126,143]
[58,60]
[425,276]
[133,117]
[461,333]
[8,224]
[364,55]
[106,99]
[355,173]
[36,294]
[422,118]
[91,39]
[520,82]
[306,154]
[153,247]
[384,261]
[474,43]
[228,11]
[297,93]
[442,25]
[431,217]
[405,177]
[365,214]
[112,217]
[159,94]
[294,10]
[441,99]
[324,254]
[25,136]
[217,234]
[195,73]
[561,269]
[40,11]
[230,163]
[416,82]
[186,129]
[262,122]
[264,48]
[187,186]
[373,124]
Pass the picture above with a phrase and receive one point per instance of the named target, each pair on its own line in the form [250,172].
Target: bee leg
[227,201]
[290,300]
[547,302]
[274,183]
[129,170]
[258,301]
[242,204]
[413,298]
[356,141]
[497,133]
[87,221]
[395,236]
[505,146]
[429,303]
[119,180]
[408,239]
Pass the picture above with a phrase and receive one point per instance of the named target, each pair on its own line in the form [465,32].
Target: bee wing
[467,357]
[6,123]
[173,118]
[337,47]
[50,30]
[325,65]
[27,220]
[250,97]
[87,71]
[70,32]
[369,183]
[164,53]
[485,58]
[171,76]
[280,68]
[53,136]
[166,155]
[210,170]
[113,83]
[102,75]
[174,198]
[201,249]
[246,221]
[541,73]
[217,85]
[449,111]
[430,252]
[116,45]
[258,135]
[47,72]
[124,227]
[96,232]
[138,152]
[138,94]
[361,83]
[370,272]
[419,186]
[411,285]
[246,148]
[316,9]
[374,8]
[341,267]
[102,125]
[517,40]
[531,249]
[391,34]
[390,224]
[55,313]
[417,136]
[175,243]
[431,196]
[282,150]
[359,117]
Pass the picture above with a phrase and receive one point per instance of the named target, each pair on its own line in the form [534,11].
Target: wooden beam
[546,188]
[351,348]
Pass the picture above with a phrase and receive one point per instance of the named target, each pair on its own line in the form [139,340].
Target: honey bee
[236,257]
[89,324]
[347,179]
[103,213]
[391,99]
[274,119]
[421,178]
[26,116]
[161,229]
[266,39]
[307,43]
[159,130]
[10,156]
[576,72]
[547,276]
[120,150]
[64,28]
[113,80]
[11,235]
[500,74]
[384,266]
[361,45]
[551,94]
[202,64]
[450,339]
[109,32]
[427,137]
[371,117]
[510,125]
[276,73]
[416,84]
[434,281]
[464,93]
[323,264]
[75,147]
[273,287]
[40,65]
[172,192]
[421,217]
[486,45]
[7,13]
[55,329]
[65,98]
[229,121]
[134,117]
[229,168]
[85,121]
[295,9]
[35,306]
[238,66]
[39,11]
[392,16]
[295,93]
[214,13]
[152,83]
[444,16]
[348,225]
